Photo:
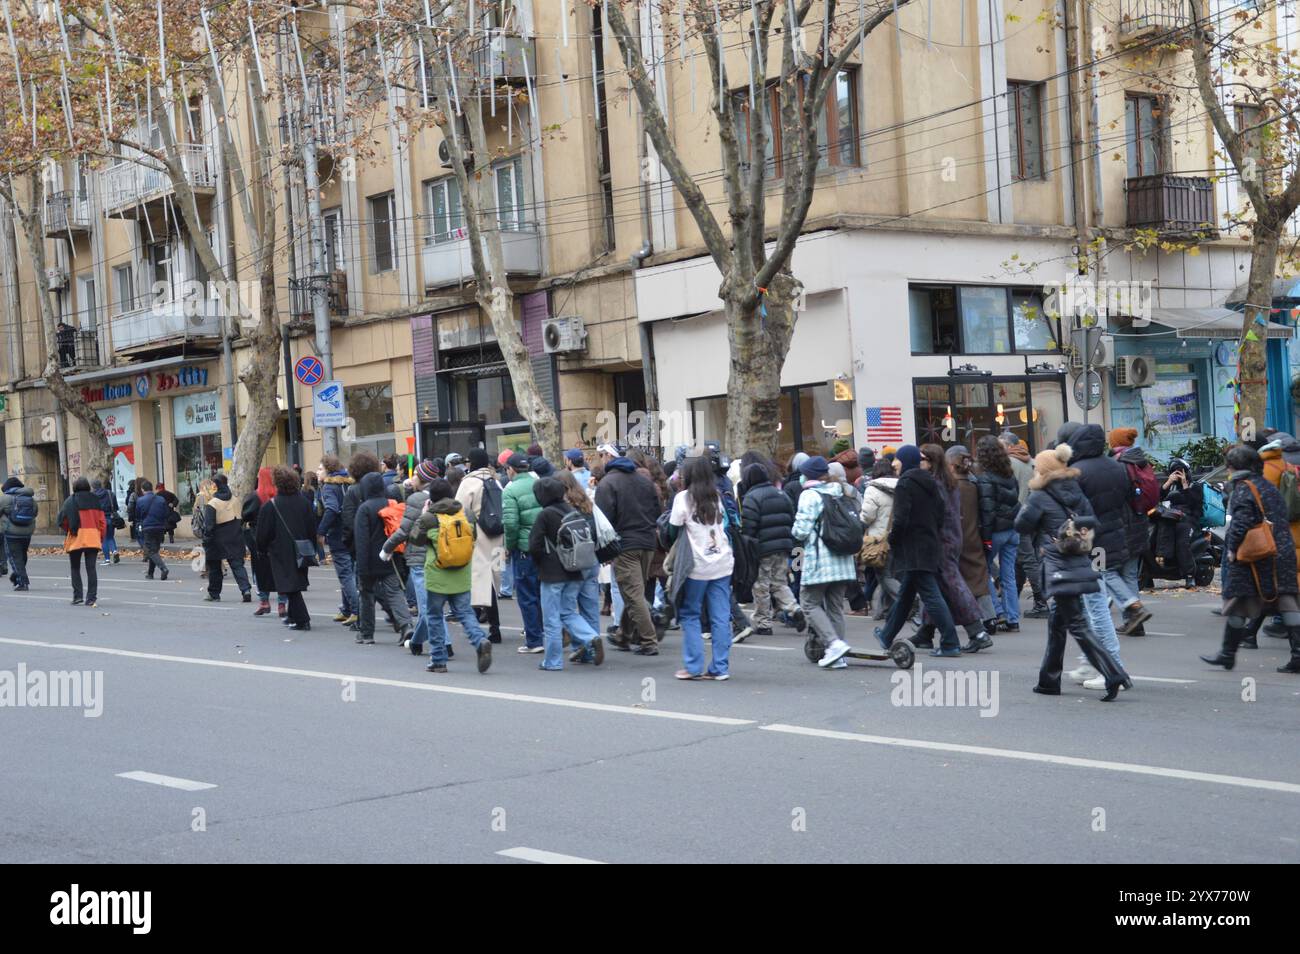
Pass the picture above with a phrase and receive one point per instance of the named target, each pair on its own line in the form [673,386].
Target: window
[158,262]
[949,412]
[837,127]
[195,118]
[125,287]
[371,409]
[1024,102]
[334,257]
[948,319]
[1249,120]
[382,236]
[86,294]
[602,128]
[1144,133]
[510,194]
[803,409]
[445,219]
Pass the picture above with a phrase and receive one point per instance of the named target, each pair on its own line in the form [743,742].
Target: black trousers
[297,611]
[215,574]
[75,557]
[1067,615]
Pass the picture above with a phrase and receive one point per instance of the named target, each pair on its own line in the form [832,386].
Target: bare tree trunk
[1252,360]
[760,342]
[259,377]
[96,455]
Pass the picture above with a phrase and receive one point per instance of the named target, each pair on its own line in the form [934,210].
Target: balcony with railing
[336,294]
[317,118]
[1139,19]
[447,261]
[65,213]
[1170,204]
[79,348]
[130,185]
[504,57]
[167,323]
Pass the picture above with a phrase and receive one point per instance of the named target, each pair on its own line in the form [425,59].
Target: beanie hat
[478,459]
[909,456]
[1053,461]
[542,467]
[835,470]
[814,468]
[426,472]
[503,459]
[1122,437]
[11,484]
[796,462]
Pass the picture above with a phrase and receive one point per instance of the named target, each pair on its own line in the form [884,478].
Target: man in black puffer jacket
[376,575]
[1105,483]
[766,517]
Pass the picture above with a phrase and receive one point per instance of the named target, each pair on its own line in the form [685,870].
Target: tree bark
[760,343]
[259,377]
[1252,359]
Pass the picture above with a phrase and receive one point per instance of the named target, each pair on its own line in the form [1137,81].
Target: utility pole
[313,114]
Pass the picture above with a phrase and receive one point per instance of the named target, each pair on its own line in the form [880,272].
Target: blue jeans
[529,596]
[589,597]
[1097,607]
[507,580]
[1131,571]
[416,579]
[1124,593]
[710,599]
[1006,544]
[461,609]
[615,600]
[343,569]
[560,611]
[110,540]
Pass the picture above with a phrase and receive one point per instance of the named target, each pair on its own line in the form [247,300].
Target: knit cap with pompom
[1052,461]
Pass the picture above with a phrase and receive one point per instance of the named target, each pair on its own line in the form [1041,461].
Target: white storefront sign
[194,414]
[119,424]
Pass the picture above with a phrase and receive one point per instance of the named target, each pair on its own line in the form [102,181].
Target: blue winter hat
[908,456]
[814,468]
[542,467]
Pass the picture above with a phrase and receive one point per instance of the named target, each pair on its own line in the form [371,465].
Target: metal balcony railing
[504,58]
[1170,203]
[66,212]
[78,348]
[336,290]
[318,118]
[447,260]
[130,183]
[166,322]
[1145,17]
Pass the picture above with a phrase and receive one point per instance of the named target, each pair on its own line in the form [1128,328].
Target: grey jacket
[7,504]
[405,532]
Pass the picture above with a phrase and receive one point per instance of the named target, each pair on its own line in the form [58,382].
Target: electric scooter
[901,653]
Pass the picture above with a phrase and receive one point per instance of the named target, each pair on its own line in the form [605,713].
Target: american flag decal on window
[884,425]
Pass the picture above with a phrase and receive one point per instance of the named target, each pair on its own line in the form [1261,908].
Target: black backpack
[491,518]
[839,526]
[575,543]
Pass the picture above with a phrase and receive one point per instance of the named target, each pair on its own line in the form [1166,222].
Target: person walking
[916,550]
[1258,579]
[445,533]
[1144,498]
[108,503]
[376,576]
[1055,501]
[519,508]
[18,512]
[410,544]
[701,563]
[223,539]
[152,514]
[284,523]
[999,504]
[562,544]
[631,503]
[480,495]
[767,518]
[589,593]
[335,482]
[877,511]
[82,520]
[173,509]
[826,575]
[575,462]
[251,516]
[1027,570]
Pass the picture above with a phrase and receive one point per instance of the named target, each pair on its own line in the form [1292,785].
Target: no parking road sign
[309,371]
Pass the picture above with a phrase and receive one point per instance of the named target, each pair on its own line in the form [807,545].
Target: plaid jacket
[819,565]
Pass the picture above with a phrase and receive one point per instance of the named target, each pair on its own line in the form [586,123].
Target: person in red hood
[852,466]
[82,518]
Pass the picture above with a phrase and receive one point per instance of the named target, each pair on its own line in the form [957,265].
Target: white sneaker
[531,650]
[743,635]
[839,664]
[1099,682]
[1082,674]
[834,652]
[706,635]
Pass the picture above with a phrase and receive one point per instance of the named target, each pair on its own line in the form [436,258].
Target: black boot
[923,638]
[1227,656]
[1293,634]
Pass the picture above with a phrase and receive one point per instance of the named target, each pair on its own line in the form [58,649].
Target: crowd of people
[943,538]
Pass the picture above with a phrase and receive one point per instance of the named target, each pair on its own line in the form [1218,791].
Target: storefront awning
[1210,323]
[125,370]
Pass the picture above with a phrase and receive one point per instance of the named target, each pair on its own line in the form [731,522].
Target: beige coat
[488,553]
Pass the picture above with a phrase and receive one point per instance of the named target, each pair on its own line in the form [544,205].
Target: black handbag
[118,522]
[304,550]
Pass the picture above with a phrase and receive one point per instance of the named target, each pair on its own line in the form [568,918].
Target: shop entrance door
[962,409]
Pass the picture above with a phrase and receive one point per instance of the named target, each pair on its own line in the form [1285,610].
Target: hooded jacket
[919,511]
[333,491]
[151,512]
[1041,517]
[82,519]
[630,502]
[7,501]
[1022,467]
[519,508]
[405,532]
[766,515]
[1139,527]
[1105,483]
[368,533]
[282,520]
[999,502]
[543,536]
[424,539]
[107,500]
[878,506]
[222,538]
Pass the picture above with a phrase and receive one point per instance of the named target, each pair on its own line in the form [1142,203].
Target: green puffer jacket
[437,579]
[519,508]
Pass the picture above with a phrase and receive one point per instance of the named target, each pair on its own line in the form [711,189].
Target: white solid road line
[546,857]
[1152,632]
[393,683]
[167,781]
[1177,682]
[1130,767]
[113,601]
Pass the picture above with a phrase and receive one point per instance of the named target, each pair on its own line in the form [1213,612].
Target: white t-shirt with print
[709,543]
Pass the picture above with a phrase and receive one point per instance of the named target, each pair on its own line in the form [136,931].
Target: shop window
[1034,331]
[1172,406]
[488,400]
[961,412]
[970,319]
[370,409]
[934,320]
[984,321]
[808,418]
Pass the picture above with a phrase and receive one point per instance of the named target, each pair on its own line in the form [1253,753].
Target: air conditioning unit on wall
[56,277]
[1134,371]
[564,335]
[1103,355]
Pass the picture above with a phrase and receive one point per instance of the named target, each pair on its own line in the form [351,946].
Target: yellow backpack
[455,541]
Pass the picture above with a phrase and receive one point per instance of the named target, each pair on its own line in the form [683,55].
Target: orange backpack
[392,516]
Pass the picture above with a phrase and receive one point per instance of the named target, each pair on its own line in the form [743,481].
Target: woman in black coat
[249,515]
[1055,496]
[1266,587]
[284,519]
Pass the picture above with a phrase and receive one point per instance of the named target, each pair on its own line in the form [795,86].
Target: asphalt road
[315,749]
